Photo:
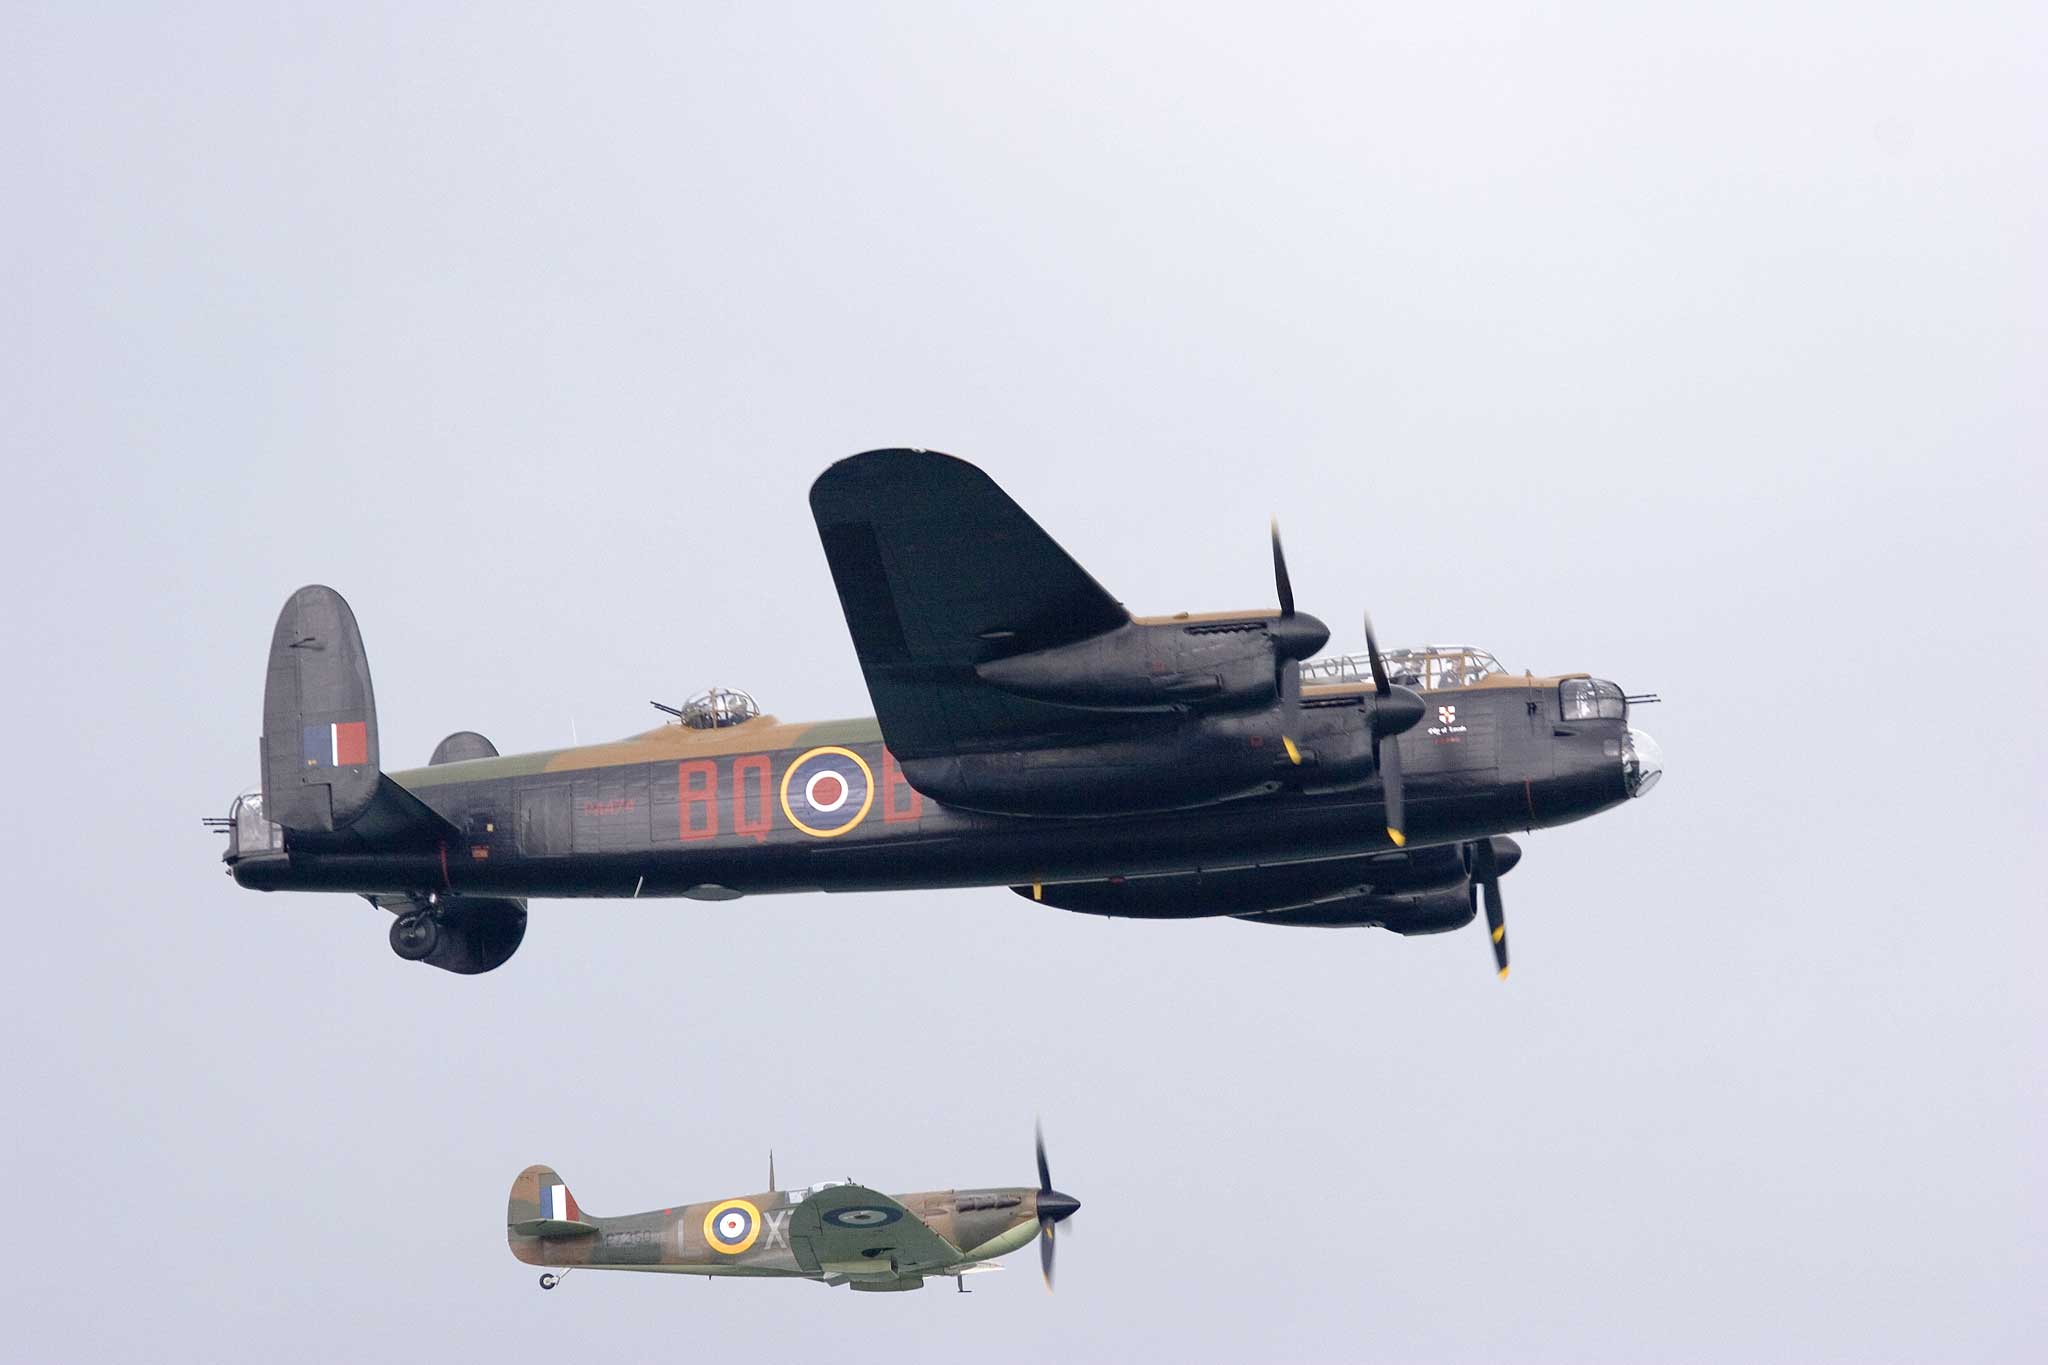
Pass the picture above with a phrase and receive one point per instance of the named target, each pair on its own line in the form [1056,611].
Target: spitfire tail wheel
[415,935]
[549,1281]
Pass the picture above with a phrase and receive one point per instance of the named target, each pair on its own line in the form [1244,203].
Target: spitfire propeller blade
[1486,878]
[1053,1209]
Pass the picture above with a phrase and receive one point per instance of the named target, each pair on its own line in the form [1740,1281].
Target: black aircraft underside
[1030,733]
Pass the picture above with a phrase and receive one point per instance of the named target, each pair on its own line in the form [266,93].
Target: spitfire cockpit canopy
[1427,668]
[714,709]
[798,1196]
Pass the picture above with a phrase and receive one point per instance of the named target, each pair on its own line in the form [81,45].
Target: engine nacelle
[1174,764]
[1429,912]
[1215,663]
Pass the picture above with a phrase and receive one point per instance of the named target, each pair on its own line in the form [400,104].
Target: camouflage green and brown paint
[836,1233]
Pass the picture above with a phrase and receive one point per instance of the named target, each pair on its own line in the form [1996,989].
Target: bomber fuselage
[763,806]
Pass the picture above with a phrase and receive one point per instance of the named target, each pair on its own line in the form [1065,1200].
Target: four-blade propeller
[1054,1208]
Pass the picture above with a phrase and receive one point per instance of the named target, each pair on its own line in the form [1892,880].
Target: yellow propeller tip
[1400,839]
[1293,754]
[1503,973]
[1500,933]
[1038,891]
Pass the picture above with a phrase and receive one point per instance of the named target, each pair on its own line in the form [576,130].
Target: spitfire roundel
[827,791]
[731,1227]
[862,1216]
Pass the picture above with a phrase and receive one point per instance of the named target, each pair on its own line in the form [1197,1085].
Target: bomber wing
[853,1230]
[938,570]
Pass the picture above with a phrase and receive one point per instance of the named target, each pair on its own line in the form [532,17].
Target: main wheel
[414,935]
[548,1281]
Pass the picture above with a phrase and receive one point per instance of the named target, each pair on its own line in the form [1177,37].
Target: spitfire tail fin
[319,717]
[541,1206]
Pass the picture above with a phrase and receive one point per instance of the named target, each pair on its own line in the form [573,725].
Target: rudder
[540,1205]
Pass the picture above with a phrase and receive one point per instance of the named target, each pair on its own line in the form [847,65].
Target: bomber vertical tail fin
[319,717]
[320,773]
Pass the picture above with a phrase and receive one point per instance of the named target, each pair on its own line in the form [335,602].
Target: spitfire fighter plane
[836,1232]
[1029,732]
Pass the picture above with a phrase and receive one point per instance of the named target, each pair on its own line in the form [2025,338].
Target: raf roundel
[827,791]
[731,1227]
[862,1216]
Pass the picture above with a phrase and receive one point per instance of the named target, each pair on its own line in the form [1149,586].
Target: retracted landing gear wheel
[548,1282]
[414,935]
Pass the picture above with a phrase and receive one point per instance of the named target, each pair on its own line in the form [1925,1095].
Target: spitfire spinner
[1028,731]
[836,1232]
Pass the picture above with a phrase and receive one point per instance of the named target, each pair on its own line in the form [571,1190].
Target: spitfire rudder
[540,1205]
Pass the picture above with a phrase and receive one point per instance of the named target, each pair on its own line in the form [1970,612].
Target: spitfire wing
[939,570]
[853,1230]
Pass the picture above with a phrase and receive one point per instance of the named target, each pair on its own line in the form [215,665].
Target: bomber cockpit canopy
[1426,668]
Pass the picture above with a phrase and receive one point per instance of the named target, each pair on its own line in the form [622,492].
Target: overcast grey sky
[1698,347]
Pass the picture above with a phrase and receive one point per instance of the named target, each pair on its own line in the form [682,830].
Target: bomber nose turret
[1642,762]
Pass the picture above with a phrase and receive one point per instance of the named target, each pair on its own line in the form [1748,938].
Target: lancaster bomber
[1028,731]
[836,1232]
